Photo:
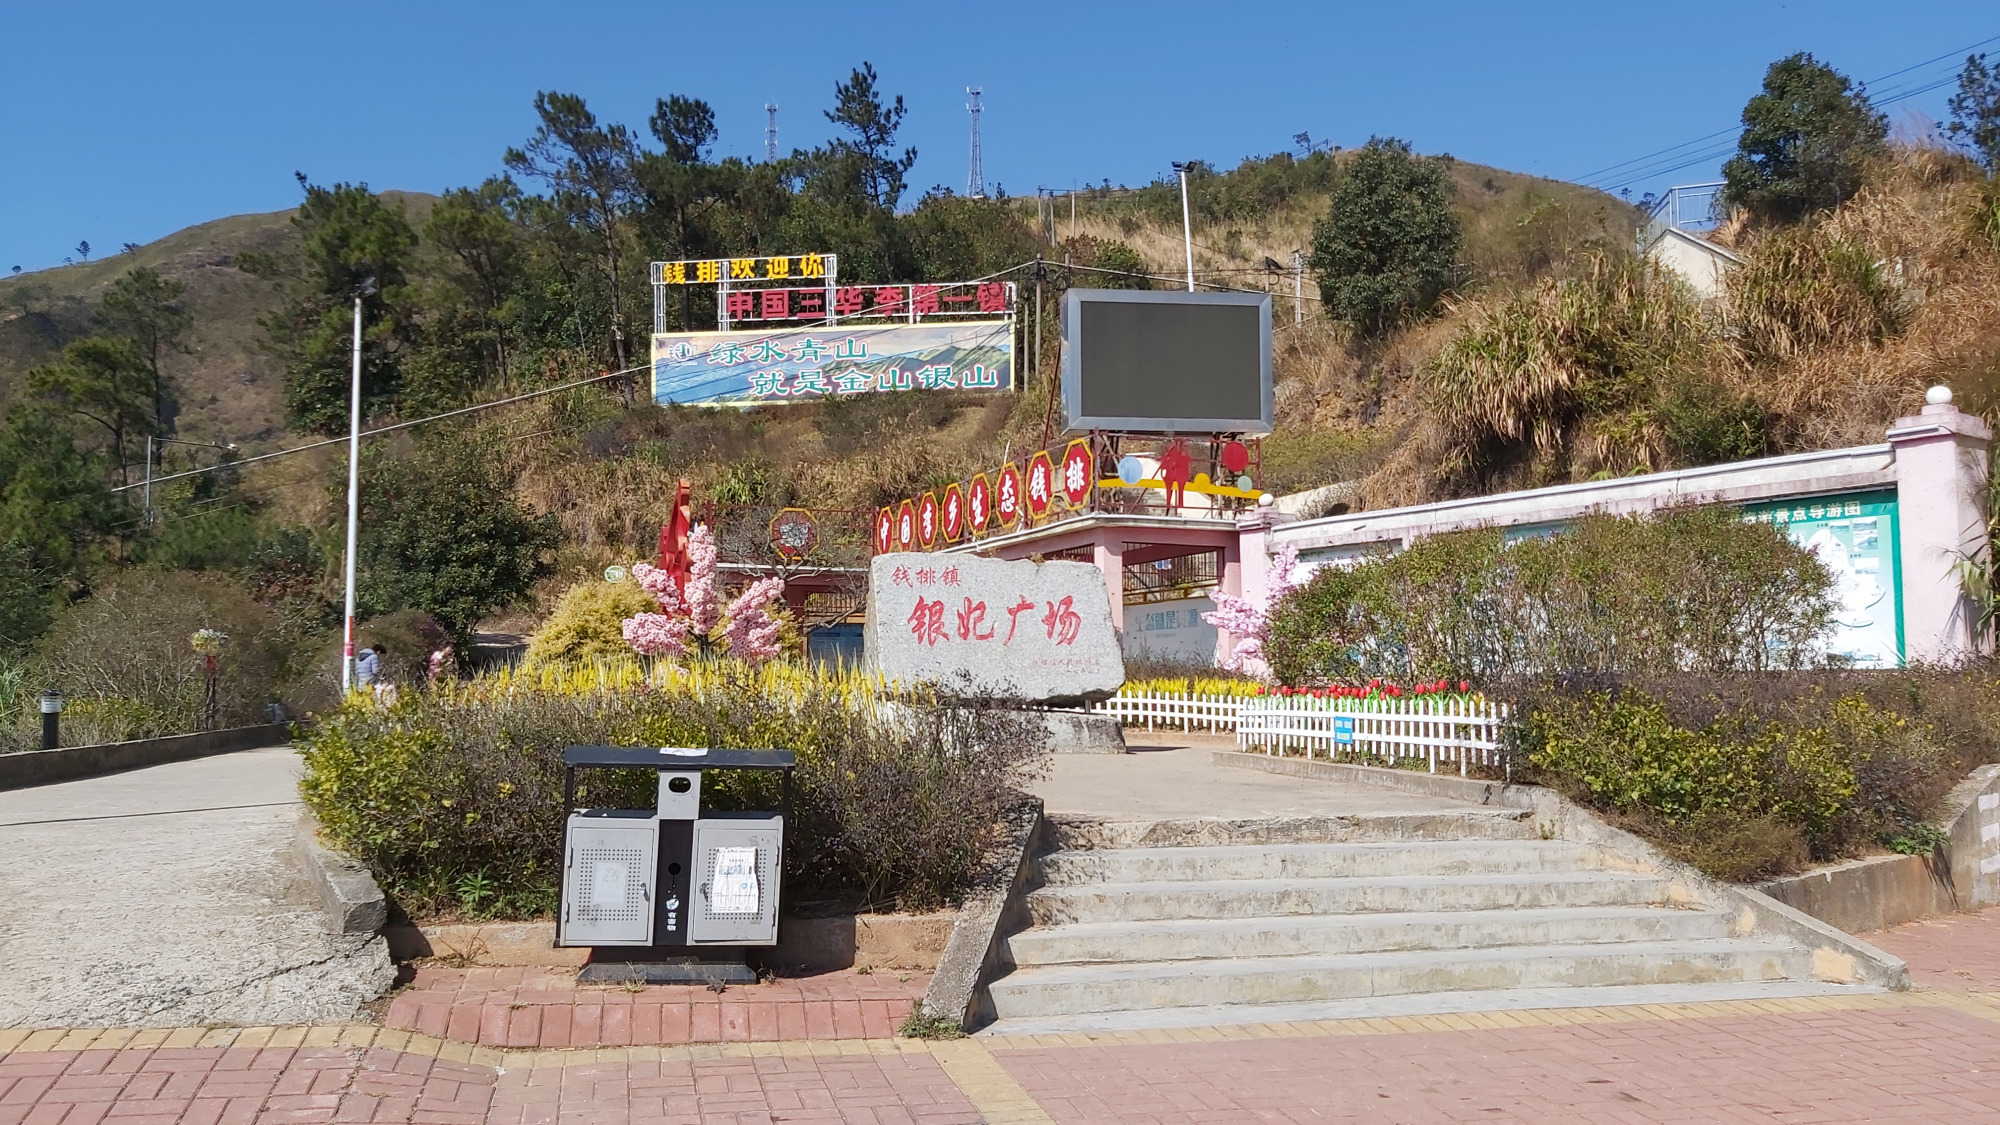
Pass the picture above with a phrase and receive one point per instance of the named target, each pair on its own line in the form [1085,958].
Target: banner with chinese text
[746,368]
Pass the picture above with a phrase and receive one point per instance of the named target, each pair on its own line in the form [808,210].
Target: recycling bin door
[737,857]
[609,869]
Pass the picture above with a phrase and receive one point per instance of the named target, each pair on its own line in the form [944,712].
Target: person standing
[368,667]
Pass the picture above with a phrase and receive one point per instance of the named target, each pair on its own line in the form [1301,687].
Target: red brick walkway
[1958,952]
[547,1008]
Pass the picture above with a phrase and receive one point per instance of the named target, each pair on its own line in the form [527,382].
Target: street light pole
[353,499]
[1187,226]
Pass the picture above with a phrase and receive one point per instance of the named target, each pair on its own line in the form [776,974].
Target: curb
[44,767]
[973,951]
[353,902]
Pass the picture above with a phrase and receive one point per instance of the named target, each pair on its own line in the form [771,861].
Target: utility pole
[771,131]
[1187,225]
[975,176]
[353,492]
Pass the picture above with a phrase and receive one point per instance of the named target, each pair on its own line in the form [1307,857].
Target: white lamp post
[1187,227]
[353,491]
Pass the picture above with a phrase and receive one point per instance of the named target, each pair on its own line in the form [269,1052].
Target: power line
[1674,157]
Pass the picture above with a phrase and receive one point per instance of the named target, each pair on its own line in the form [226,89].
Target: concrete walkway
[170,897]
[1172,776]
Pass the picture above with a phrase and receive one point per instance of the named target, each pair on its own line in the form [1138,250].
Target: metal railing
[1688,207]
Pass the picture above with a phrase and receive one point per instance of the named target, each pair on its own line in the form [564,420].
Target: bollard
[52,705]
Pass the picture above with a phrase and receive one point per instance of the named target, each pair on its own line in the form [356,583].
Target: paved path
[1173,776]
[168,897]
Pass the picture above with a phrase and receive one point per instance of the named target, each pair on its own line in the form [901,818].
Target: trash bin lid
[679,757]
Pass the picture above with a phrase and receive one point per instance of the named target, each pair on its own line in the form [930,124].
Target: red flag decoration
[1041,484]
[906,526]
[1007,496]
[1077,474]
[885,530]
[927,520]
[953,514]
[978,504]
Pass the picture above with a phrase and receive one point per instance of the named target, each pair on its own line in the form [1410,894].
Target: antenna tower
[975,176]
[771,131]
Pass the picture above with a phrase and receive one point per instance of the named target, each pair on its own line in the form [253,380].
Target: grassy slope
[228,387]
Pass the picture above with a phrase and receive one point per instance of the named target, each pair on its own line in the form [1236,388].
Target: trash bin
[671,895]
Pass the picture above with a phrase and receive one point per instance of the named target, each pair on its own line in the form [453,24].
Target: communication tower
[975,177]
[771,131]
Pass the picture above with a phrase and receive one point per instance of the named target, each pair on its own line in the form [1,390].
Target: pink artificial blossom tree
[1247,619]
[683,623]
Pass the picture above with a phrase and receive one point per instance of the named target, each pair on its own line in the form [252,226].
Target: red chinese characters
[1041,484]
[927,621]
[1007,496]
[776,304]
[1076,473]
[1063,621]
[885,531]
[927,520]
[953,512]
[978,504]
[972,624]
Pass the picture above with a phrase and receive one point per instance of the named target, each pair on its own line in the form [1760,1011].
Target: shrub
[1387,246]
[1570,374]
[460,789]
[585,623]
[1740,784]
[1689,589]
[129,642]
[1810,289]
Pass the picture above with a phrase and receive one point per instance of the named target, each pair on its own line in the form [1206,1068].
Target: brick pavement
[532,1007]
[1960,952]
[1912,1056]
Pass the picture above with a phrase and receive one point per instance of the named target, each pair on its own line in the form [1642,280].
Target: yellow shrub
[585,624]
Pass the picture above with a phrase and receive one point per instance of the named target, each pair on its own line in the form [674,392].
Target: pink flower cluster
[1246,620]
[751,633]
[1374,689]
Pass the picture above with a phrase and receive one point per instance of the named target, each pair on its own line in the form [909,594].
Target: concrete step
[1060,990]
[1306,935]
[1072,832]
[1312,861]
[1154,901]
[1418,1004]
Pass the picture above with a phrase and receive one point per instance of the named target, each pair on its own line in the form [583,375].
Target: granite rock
[1021,630]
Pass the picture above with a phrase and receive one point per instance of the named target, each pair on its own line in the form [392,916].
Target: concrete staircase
[1197,923]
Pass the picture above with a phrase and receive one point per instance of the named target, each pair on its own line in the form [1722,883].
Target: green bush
[454,797]
[1748,776]
[587,622]
[1689,589]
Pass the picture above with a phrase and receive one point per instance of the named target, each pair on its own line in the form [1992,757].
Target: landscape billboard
[756,367]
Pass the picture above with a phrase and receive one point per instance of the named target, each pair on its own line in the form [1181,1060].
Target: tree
[53,500]
[858,107]
[350,242]
[103,379]
[1385,251]
[442,532]
[1805,139]
[589,168]
[144,307]
[685,127]
[476,294]
[1975,112]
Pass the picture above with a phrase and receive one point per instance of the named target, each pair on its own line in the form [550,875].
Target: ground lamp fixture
[52,705]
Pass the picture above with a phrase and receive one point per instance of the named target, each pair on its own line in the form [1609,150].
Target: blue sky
[126,121]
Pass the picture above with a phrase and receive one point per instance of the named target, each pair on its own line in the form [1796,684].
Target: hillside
[228,389]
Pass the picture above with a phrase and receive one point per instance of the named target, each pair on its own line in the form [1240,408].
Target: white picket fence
[1173,710]
[1456,732]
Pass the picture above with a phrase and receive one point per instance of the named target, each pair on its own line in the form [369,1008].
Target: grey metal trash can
[671,894]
